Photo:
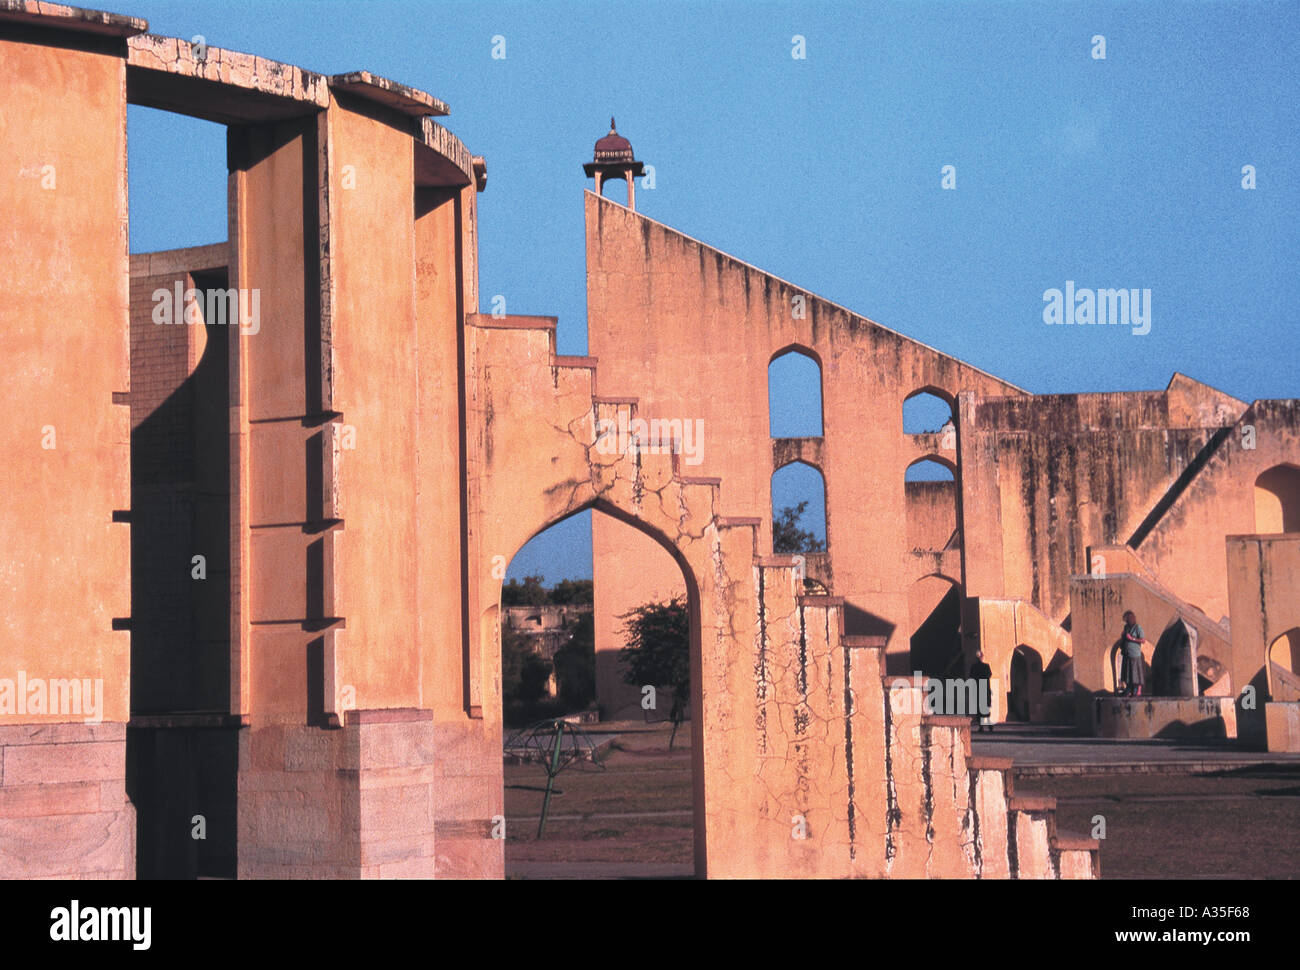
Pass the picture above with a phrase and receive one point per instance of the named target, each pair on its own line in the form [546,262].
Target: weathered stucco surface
[357,463]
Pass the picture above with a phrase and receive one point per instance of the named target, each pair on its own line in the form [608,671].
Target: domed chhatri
[613,159]
[613,147]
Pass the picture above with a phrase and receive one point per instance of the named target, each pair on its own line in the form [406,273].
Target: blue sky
[826,171]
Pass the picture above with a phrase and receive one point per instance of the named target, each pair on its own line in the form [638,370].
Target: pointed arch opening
[1277,500]
[794,394]
[1025,692]
[930,495]
[577,631]
[934,609]
[798,510]
[927,411]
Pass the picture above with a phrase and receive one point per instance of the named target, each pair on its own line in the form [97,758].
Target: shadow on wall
[936,646]
[1025,691]
[863,623]
[181,778]
[1173,664]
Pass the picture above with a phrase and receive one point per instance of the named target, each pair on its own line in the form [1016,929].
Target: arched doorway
[1026,688]
[1173,663]
[636,812]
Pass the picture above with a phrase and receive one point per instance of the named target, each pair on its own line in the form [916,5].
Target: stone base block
[354,802]
[469,801]
[64,813]
[1282,723]
[1164,717]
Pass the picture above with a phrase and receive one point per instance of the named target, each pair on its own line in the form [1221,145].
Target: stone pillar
[65,520]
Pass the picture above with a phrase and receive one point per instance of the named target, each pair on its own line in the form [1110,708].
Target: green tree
[523,673]
[530,592]
[658,653]
[787,537]
[572,591]
[575,665]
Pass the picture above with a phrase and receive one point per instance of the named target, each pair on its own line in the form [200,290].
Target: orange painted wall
[656,578]
[439,476]
[375,372]
[271,501]
[1048,478]
[63,189]
[690,331]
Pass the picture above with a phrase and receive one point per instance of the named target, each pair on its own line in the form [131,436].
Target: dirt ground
[635,808]
[1243,823]
[1239,824]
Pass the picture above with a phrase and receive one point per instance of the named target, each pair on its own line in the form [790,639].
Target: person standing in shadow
[982,674]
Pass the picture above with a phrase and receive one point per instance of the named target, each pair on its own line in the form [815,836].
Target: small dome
[613,147]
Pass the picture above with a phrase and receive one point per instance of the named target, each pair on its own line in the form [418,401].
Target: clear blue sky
[826,171]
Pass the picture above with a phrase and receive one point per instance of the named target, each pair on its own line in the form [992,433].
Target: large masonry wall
[690,331]
[66,476]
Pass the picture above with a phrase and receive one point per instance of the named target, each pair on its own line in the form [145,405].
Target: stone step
[1031,826]
[1077,856]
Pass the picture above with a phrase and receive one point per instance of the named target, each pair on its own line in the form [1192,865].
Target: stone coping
[60,17]
[188,260]
[1070,842]
[224,86]
[820,599]
[945,720]
[514,321]
[389,93]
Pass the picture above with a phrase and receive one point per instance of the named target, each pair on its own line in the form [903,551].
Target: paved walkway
[599,870]
[1045,749]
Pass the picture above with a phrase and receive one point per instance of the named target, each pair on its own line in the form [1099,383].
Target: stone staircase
[942,796]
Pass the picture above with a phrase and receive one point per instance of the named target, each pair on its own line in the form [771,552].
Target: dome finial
[612,158]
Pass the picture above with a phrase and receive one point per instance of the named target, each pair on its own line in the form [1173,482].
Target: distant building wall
[1048,476]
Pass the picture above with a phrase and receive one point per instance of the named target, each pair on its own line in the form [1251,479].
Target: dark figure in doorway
[982,674]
